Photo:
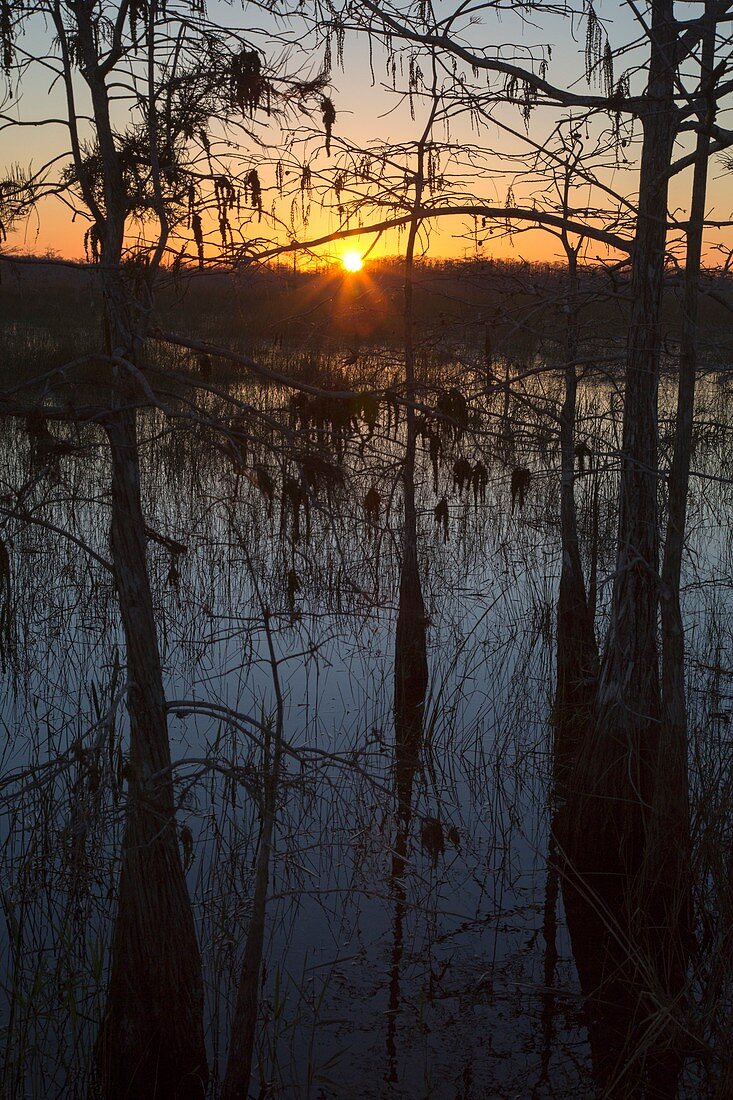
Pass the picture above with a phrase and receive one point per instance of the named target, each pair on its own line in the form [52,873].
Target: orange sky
[366,114]
[50,229]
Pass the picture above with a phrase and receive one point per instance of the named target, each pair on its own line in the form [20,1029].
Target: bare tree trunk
[246,1011]
[624,908]
[620,764]
[411,663]
[629,704]
[671,818]
[411,669]
[410,688]
[151,1044]
[577,651]
[410,654]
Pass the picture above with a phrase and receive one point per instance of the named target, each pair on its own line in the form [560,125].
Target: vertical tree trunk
[671,817]
[623,906]
[410,688]
[151,1044]
[629,711]
[410,654]
[410,661]
[411,669]
[619,767]
[577,652]
[246,1010]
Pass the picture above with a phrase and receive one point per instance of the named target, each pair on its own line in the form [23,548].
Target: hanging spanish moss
[6,34]
[253,191]
[329,117]
[92,244]
[249,88]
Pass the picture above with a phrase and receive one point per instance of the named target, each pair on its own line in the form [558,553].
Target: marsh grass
[473,963]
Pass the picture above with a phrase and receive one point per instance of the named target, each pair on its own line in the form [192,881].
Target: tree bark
[629,702]
[577,651]
[410,653]
[671,817]
[620,764]
[246,1010]
[620,904]
[151,1044]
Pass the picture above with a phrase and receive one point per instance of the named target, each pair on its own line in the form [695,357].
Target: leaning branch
[636,105]
[472,210]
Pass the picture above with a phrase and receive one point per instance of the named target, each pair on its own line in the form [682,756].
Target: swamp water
[415,944]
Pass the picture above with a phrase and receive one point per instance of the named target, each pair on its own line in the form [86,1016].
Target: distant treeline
[492,307]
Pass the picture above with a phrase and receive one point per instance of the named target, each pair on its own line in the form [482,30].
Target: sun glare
[352,261]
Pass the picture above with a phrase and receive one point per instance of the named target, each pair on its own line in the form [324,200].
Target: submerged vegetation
[402,791]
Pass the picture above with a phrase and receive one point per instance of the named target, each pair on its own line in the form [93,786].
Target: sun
[352,261]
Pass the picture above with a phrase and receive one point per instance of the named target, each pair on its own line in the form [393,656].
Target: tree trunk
[410,688]
[620,764]
[411,670]
[671,817]
[246,1010]
[629,704]
[410,657]
[151,1044]
[621,906]
[577,652]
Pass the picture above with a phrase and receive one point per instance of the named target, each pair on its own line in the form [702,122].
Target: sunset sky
[484,164]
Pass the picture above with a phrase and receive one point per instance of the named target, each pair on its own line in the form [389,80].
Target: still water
[415,937]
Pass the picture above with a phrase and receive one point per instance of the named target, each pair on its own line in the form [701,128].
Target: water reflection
[549,964]
[486,977]
[410,687]
[623,937]
[626,1010]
